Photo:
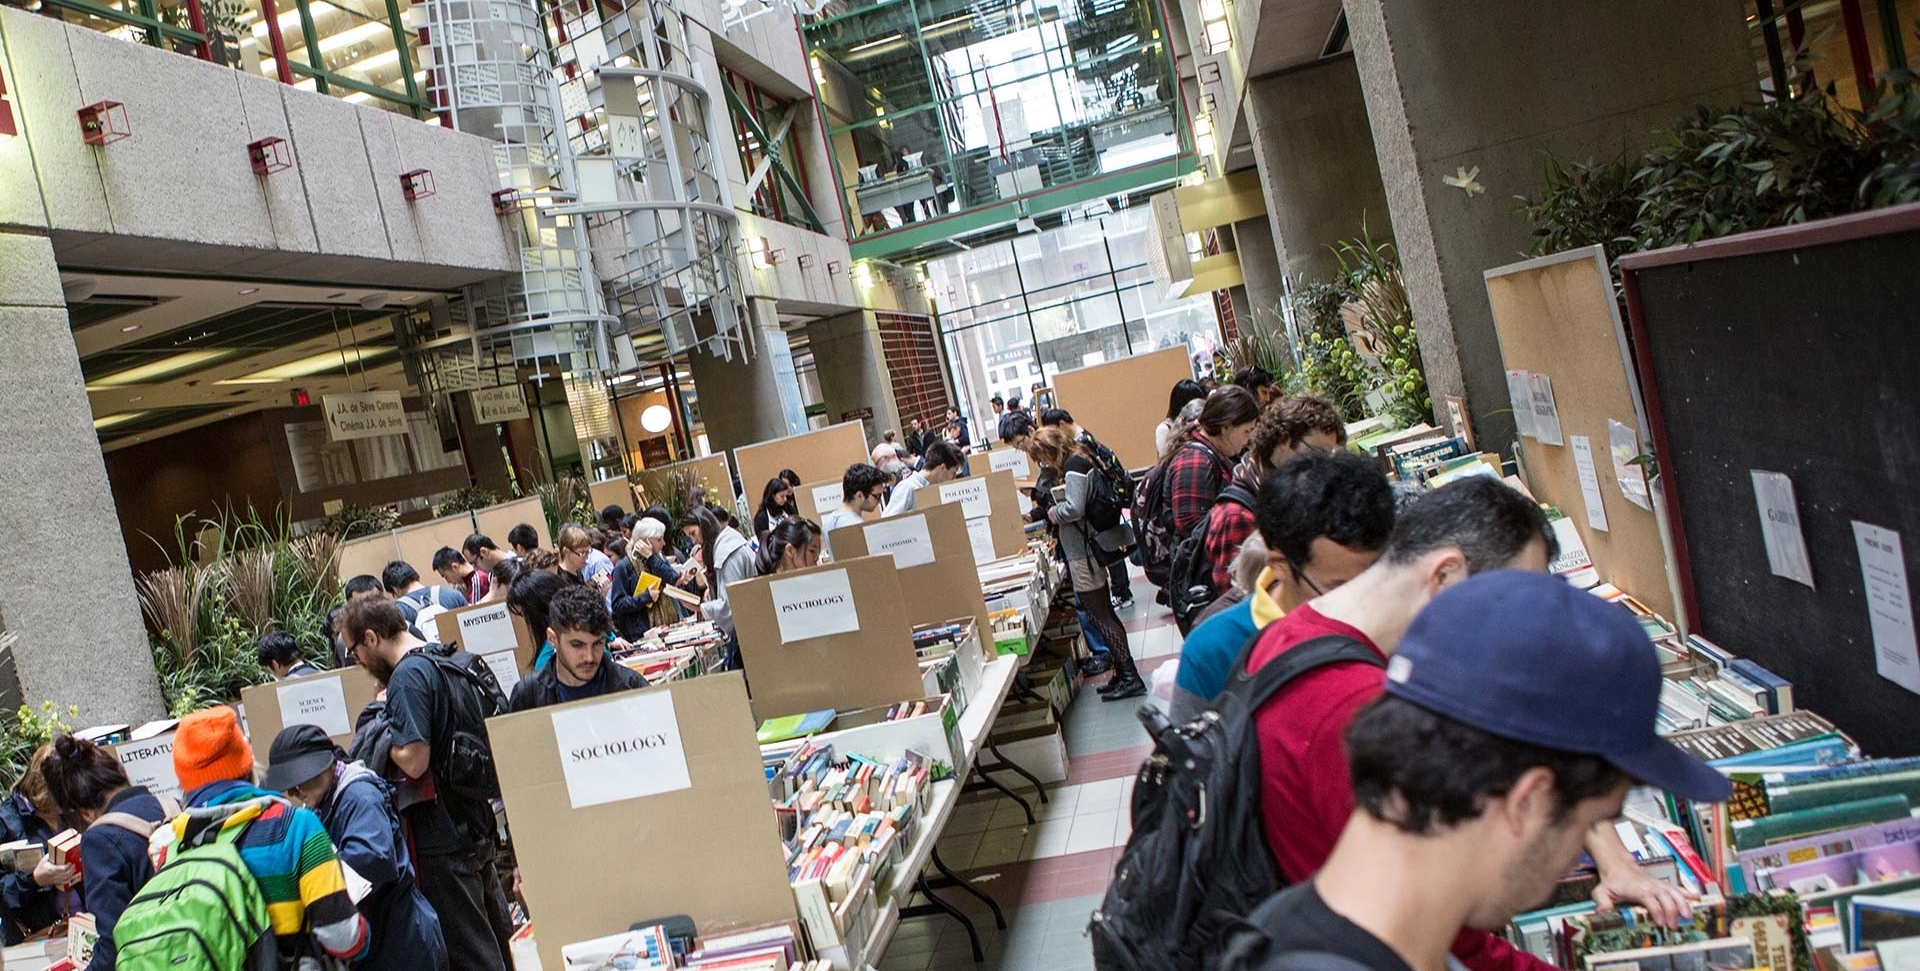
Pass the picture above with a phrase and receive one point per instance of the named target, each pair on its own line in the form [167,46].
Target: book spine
[1797,797]
[1751,834]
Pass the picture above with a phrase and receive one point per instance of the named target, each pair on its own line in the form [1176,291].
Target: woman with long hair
[723,556]
[1055,449]
[792,545]
[88,782]
[1200,461]
[776,504]
[1181,410]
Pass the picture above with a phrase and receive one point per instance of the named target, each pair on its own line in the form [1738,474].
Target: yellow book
[646,582]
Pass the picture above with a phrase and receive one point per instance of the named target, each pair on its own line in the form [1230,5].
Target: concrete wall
[65,588]
[741,400]
[180,196]
[852,367]
[1260,267]
[1492,84]
[1318,171]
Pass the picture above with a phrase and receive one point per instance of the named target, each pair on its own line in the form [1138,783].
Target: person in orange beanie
[289,852]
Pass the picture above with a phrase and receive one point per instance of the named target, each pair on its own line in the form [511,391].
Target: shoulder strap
[1238,494]
[1320,652]
[142,828]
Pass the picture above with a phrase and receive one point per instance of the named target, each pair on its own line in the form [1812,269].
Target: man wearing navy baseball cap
[1518,711]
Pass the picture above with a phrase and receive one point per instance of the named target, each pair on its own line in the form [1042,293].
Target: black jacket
[116,866]
[25,906]
[632,615]
[542,687]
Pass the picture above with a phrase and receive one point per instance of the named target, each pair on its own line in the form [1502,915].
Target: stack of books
[773,947]
[1739,932]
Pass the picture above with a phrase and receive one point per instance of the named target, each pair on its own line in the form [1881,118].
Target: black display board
[1793,351]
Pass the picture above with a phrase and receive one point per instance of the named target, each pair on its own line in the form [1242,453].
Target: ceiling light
[374,300]
[79,288]
[656,419]
[165,367]
[137,397]
[308,366]
[111,420]
[130,328]
[249,290]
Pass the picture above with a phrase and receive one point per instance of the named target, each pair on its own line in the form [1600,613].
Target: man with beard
[452,835]
[577,626]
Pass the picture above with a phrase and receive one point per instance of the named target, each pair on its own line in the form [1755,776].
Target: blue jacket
[25,906]
[116,866]
[359,816]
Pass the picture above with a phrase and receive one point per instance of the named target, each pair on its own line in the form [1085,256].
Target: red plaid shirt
[1229,524]
[1194,479]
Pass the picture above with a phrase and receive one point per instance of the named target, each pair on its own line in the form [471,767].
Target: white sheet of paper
[1780,527]
[150,763]
[625,747]
[315,701]
[971,494]
[1010,460]
[1520,389]
[814,605]
[1623,443]
[505,669]
[357,886]
[1026,504]
[1589,481]
[487,630]
[906,539]
[1546,417]
[826,498]
[980,534]
[1574,565]
[1883,567]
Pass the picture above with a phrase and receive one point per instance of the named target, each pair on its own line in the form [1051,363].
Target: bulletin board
[612,492]
[709,849]
[418,543]
[1557,316]
[814,456]
[368,555]
[943,590]
[712,471]
[494,522]
[1121,402]
[1793,351]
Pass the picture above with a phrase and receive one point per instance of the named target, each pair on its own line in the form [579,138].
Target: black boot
[1126,681]
[1095,664]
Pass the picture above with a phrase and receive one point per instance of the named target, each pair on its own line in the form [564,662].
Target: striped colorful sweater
[291,857]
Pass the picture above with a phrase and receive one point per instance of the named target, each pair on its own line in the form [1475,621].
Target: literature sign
[149,763]
[826,498]
[905,538]
[624,747]
[993,499]
[315,701]
[1889,607]
[980,537]
[814,605]
[366,415]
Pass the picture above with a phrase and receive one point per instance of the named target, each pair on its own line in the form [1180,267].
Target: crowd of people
[1408,759]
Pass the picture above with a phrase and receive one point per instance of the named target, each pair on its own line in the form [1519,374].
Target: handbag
[1113,544]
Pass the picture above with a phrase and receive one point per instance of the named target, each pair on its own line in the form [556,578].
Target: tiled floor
[1047,877]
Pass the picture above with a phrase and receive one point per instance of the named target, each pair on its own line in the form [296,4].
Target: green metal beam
[148,21]
[771,149]
[899,243]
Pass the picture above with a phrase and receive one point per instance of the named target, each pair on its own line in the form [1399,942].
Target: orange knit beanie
[209,747]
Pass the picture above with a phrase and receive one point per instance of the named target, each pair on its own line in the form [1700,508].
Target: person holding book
[1459,530]
[793,545]
[776,504]
[638,580]
[115,819]
[942,463]
[1054,448]
[356,808]
[1322,520]
[480,551]
[31,898]
[1515,714]
[577,627]
[725,557]
[1287,428]
[862,489]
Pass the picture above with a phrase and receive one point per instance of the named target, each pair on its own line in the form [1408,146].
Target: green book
[1751,834]
[794,726]
[1793,798]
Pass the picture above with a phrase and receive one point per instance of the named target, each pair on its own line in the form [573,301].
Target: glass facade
[938,106]
[1017,312]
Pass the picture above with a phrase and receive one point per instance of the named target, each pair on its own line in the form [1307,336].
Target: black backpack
[1190,585]
[464,766]
[1153,516]
[1198,860]
[1104,504]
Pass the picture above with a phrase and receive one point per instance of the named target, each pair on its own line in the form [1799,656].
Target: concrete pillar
[1490,85]
[1317,167]
[65,588]
[853,370]
[1260,266]
[756,400]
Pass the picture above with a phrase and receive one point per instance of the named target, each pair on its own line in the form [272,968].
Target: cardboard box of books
[930,726]
[638,806]
[934,556]
[497,635]
[332,700]
[833,636]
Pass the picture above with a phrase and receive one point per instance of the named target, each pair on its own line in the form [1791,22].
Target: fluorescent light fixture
[111,420]
[244,291]
[308,366]
[857,48]
[1219,36]
[165,367]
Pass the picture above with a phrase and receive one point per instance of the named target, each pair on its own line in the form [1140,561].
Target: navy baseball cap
[1530,658]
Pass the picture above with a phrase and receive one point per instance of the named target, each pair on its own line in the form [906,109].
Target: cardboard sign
[905,538]
[494,405]
[826,498]
[814,605]
[367,415]
[996,493]
[319,701]
[970,493]
[624,747]
[866,660]
[980,538]
[1011,460]
[496,635]
[265,718]
[149,763]
[708,848]
[946,585]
